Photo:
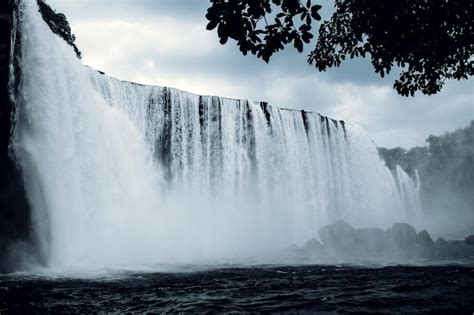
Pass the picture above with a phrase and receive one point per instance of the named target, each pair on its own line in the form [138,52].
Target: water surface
[246,289]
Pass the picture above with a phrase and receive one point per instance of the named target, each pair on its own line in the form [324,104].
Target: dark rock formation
[469,240]
[425,244]
[14,208]
[403,235]
[441,242]
[264,107]
[340,236]
[454,250]
[343,125]
[400,242]
[423,238]
[346,240]
[59,25]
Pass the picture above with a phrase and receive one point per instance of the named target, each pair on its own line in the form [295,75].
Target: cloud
[165,43]
[137,9]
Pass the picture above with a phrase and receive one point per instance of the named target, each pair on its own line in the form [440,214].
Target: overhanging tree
[428,41]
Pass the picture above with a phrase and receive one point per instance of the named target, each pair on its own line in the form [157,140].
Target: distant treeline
[445,166]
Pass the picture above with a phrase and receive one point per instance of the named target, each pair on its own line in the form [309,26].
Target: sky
[165,42]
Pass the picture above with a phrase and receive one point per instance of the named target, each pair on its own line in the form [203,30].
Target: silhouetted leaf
[315,13]
[212,25]
[299,45]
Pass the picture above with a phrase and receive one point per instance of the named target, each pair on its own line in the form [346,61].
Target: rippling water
[262,288]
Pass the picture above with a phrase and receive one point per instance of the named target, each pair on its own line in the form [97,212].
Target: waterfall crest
[121,173]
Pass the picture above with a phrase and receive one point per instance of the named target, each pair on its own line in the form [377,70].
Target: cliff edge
[14,207]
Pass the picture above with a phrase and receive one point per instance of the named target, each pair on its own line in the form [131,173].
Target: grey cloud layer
[165,42]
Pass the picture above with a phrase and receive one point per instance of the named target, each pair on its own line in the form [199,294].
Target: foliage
[411,160]
[446,167]
[242,20]
[58,24]
[428,41]
[452,155]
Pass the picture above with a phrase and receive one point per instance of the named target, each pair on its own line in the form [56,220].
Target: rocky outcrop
[14,208]
[342,238]
[401,242]
[402,235]
[441,242]
[15,213]
[454,250]
[59,25]
[339,236]
[469,240]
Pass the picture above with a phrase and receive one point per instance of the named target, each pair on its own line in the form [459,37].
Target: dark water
[264,288]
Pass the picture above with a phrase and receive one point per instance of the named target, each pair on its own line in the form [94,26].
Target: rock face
[425,244]
[58,24]
[14,208]
[340,236]
[441,242]
[424,239]
[401,241]
[469,240]
[403,235]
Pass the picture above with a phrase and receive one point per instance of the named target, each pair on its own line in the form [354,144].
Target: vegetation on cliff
[59,25]
[446,169]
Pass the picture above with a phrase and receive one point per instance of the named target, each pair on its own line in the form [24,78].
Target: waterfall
[409,190]
[121,173]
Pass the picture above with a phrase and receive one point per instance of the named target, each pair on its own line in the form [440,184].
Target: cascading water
[120,173]
[410,194]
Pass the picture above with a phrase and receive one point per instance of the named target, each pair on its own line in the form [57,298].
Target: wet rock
[424,239]
[59,25]
[399,243]
[455,250]
[425,244]
[403,235]
[339,236]
[469,240]
[441,242]
[14,208]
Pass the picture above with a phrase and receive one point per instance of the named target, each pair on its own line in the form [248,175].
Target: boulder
[403,235]
[339,236]
[469,240]
[424,239]
[58,24]
[425,243]
[441,242]
[455,250]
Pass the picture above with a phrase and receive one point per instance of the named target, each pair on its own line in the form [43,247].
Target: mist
[446,171]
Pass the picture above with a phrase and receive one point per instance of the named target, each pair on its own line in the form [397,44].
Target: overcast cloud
[164,42]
